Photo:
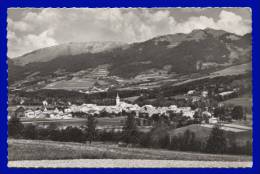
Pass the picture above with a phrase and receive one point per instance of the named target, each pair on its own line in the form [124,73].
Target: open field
[229,71]
[50,150]
[155,82]
[116,121]
[71,84]
[245,101]
[234,70]
[233,132]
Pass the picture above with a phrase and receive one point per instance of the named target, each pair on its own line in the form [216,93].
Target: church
[117,100]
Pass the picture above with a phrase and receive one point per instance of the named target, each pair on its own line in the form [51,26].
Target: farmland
[49,150]
[239,134]
[105,121]
[244,101]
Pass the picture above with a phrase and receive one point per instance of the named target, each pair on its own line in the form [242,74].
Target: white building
[117,100]
[204,93]
[29,114]
[213,120]
[191,92]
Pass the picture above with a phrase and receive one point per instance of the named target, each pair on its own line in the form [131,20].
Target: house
[195,99]
[226,94]
[191,92]
[204,93]
[29,114]
[19,112]
[213,120]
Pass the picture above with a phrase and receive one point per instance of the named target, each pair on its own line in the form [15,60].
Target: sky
[34,28]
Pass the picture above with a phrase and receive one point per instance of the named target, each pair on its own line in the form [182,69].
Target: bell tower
[117,99]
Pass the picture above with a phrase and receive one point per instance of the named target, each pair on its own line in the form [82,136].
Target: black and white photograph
[129,87]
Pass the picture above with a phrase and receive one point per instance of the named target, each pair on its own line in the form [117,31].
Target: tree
[219,112]
[145,139]
[188,140]
[130,133]
[73,134]
[15,127]
[237,113]
[197,117]
[30,132]
[91,128]
[155,118]
[217,142]
[104,113]
[164,141]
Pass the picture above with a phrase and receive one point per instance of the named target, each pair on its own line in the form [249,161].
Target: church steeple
[117,99]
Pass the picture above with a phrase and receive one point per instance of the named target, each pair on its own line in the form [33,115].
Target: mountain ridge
[198,51]
[72,48]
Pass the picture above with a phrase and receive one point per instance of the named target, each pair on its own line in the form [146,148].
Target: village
[122,108]
[153,85]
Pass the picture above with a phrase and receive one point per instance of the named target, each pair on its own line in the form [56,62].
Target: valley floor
[20,150]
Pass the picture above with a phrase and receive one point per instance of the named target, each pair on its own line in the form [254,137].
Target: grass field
[245,101]
[104,121]
[202,132]
[50,150]
[72,84]
[234,70]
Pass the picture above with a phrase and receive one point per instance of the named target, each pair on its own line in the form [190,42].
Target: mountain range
[195,52]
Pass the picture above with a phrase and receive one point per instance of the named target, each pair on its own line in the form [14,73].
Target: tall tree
[30,132]
[15,127]
[91,128]
[217,142]
[130,133]
[237,113]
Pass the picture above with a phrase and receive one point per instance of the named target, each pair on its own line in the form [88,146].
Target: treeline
[157,137]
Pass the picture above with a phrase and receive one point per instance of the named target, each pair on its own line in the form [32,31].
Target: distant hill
[68,49]
[197,51]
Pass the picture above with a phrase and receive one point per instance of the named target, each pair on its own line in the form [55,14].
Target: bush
[217,142]
[55,135]
[43,133]
[30,132]
[109,136]
[164,142]
[237,113]
[145,140]
[186,142]
[15,127]
[72,134]
[238,150]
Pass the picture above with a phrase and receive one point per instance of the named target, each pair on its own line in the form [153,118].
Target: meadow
[244,101]
[20,149]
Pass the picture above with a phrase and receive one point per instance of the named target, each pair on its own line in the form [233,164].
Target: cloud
[44,39]
[37,29]
[193,23]
[231,22]
[18,46]
[227,21]
[18,26]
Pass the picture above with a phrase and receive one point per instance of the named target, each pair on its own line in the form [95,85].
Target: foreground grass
[50,150]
